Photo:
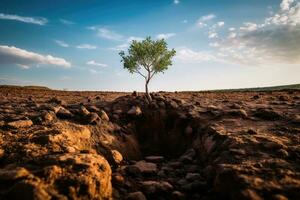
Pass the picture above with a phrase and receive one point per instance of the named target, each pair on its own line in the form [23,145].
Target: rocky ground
[98,145]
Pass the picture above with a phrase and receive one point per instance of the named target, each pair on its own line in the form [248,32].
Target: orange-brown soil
[193,145]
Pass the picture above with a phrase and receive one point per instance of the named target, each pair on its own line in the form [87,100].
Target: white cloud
[187,55]
[248,27]
[165,35]
[204,20]
[66,22]
[212,34]
[86,46]
[214,44]
[108,34]
[23,66]
[30,20]
[220,24]
[201,24]
[94,63]
[274,41]
[61,43]
[207,17]
[21,57]
[289,15]
[184,21]
[231,29]
[232,35]
[176,1]
[285,4]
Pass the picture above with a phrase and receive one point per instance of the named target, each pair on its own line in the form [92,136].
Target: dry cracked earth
[100,145]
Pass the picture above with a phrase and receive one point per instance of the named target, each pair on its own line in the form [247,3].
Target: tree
[147,58]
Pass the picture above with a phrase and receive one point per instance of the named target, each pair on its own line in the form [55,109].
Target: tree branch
[152,75]
[137,71]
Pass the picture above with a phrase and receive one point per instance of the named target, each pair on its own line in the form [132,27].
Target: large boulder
[88,174]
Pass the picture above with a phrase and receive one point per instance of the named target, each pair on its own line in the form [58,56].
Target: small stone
[194,186]
[2,152]
[192,176]
[94,109]
[135,110]
[243,113]
[273,145]
[151,187]
[283,98]
[136,196]
[296,119]
[173,104]
[93,118]
[283,153]
[12,174]
[20,124]
[83,111]
[250,195]
[212,107]
[133,170]
[57,101]
[186,159]
[161,173]
[238,151]
[240,113]
[182,182]
[117,156]
[154,159]
[235,106]
[134,93]
[104,116]
[64,113]
[165,186]
[279,197]
[117,111]
[161,104]
[252,132]
[118,179]
[176,195]
[146,167]
[188,131]
[70,149]
[175,164]
[48,116]
[267,114]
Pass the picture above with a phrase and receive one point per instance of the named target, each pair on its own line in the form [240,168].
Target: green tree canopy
[147,58]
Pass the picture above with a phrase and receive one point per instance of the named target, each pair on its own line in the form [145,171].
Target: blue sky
[219,43]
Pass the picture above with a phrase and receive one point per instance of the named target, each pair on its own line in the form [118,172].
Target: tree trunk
[147,91]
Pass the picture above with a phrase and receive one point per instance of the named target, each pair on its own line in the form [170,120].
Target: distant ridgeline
[257,89]
[272,88]
[32,87]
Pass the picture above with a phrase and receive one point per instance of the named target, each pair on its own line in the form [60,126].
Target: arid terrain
[183,145]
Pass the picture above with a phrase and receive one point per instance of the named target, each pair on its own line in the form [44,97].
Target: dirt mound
[76,145]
